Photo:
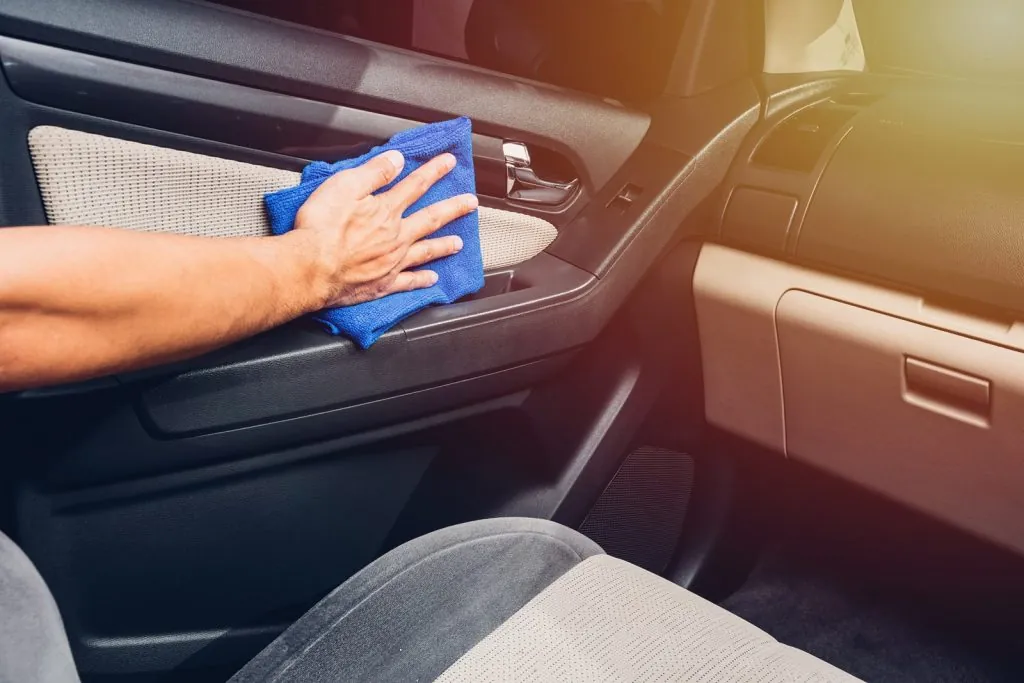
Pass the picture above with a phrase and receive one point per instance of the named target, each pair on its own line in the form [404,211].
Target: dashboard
[861,306]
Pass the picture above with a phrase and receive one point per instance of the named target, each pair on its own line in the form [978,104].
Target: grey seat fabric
[407,616]
[494,600]
[33,647]
[608,620]
[416,610]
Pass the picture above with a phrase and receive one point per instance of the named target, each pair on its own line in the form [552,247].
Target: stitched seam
[300,654]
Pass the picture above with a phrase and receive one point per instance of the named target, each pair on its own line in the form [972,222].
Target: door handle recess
[524,185]
[949,392]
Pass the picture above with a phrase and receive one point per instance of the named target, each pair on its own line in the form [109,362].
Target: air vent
[797,143]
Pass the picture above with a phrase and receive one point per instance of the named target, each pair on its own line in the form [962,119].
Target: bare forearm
[78,302]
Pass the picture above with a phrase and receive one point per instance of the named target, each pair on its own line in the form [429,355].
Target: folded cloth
[457,275]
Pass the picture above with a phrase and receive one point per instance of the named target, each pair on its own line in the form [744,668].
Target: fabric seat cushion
[33,646]
[409,615]
[494,600]
[608,620]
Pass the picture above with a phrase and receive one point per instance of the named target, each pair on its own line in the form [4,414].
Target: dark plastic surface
[543,291]
[233,46]
[670,185]
[785,93]
[111,440]
[358,377]
[678,422]
[620,50]
[131,562]
[798,143]
[20,203]
[299,369]
[238,115]
[926,191]
[497,332]
[229,388]
[597,237]
[788,97]
[689,151]
[304,373]
[449,342]
[592,416]
[553,454]
[586,421]
[917,188]
[716,45]
[758,218]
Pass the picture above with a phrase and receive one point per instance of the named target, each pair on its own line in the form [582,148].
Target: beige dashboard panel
[918,402]
[736,295]
[924,416]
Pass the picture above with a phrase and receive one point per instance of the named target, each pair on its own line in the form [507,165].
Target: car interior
[753,319]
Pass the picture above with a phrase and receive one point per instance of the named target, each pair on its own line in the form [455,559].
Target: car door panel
[532,295]
[184,514]
[236,47]
[142,588]
[886,292]
[247,117]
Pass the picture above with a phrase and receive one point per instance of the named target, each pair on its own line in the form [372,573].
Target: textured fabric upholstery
[508,238]
[412,613]
[88,179]
[608,620]
[489,601]
[33,647]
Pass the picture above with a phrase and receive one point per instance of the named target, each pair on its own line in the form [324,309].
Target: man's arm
[79,302]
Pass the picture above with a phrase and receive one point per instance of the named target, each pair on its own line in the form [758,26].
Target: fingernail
[472,201]
[449,160]
[431,276]
[456,243]
[395,158]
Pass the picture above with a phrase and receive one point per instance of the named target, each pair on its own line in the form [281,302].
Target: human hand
[362,246]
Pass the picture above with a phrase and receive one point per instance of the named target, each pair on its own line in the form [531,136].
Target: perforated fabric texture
[639,516]
[607,620]
[88,179]
[508,238]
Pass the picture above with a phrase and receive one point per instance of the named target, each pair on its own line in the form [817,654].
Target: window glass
[803,36]
[974,39]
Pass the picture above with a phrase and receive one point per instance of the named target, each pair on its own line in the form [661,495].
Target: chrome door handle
[523,184]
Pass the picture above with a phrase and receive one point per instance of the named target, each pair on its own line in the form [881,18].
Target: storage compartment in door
[927,417]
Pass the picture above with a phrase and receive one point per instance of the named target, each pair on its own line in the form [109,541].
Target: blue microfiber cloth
[457,275]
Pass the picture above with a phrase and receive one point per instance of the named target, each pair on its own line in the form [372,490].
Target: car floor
[869,633]
[876,590]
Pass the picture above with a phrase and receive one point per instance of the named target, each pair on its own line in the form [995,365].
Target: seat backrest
[33,645]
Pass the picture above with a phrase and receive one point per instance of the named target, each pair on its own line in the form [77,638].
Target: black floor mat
[874,635]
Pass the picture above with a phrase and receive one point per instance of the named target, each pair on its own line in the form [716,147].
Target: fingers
[364,180]
[409,280]
[427,220]
[416,184]
[426,251]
